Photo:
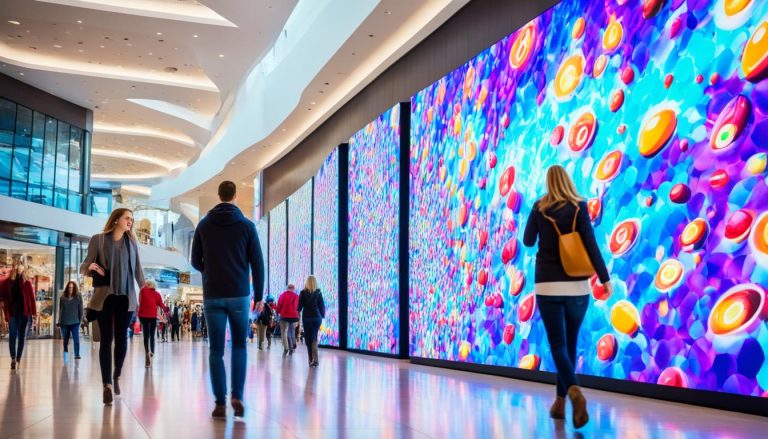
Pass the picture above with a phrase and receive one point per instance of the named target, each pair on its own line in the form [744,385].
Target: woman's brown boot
[579,403]
[557,411]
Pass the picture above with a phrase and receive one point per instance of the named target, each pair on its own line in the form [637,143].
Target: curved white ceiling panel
[190,12]
[62,64]
[273,88]
[144,132]
[176,111]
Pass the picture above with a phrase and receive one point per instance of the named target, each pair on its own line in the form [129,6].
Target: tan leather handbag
[573,254]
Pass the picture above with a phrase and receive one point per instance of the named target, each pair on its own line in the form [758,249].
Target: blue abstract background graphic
[277,250]
[326,245]
[374,206]
[658,111]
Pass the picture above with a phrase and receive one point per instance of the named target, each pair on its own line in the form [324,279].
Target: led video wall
[374,190]
[300,236]
[262,231]
[278,230]
[325,248]
[658,111]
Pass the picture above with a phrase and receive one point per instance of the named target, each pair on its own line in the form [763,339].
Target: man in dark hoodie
[225,247]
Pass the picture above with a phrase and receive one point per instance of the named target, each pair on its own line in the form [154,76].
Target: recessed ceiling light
[194,36]
[312,103]
[14,22]
[221,55]
[159,33]
[21,73]
[57,46]
[79,21]
[388,12]
[101,45]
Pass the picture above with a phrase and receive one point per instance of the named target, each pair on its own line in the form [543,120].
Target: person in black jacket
[563,300]
[225,247]
[312,309]
[175,323]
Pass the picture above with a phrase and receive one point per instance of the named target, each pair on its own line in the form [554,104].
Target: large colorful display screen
[658,111]
[374,206]
[300,236]
[262,231]
[277,250]
[325,247]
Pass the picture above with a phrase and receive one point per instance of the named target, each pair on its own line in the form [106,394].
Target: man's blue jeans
[217,312]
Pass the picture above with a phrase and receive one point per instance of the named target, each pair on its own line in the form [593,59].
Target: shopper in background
[113,261]
[264,322]
[287,306]
[150,303]
[225,248]
[162,323]
[175,323]
[17,297]
[70,316]
[563,300]
[312,309]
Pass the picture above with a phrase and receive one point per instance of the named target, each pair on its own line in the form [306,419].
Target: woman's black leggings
[113,326]
[148,325]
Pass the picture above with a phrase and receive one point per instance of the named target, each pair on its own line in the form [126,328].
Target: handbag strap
[557,229]
[101,252]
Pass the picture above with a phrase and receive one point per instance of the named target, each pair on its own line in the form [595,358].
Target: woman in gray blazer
[113,263]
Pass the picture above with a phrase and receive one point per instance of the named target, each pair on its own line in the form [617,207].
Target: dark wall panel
[475,27]
[44,102]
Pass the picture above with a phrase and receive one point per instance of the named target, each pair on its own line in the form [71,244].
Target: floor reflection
[348,396]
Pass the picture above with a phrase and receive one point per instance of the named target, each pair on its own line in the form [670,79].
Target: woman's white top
[565,288]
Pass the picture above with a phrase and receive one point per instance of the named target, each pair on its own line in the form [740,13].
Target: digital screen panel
[658,112]
[300,236]
[278,236]
[325,248]
[374,191]
[262,231]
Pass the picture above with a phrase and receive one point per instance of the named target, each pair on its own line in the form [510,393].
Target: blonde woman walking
[562,299]
[312,309]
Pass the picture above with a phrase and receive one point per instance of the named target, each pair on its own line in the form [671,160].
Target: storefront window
[36,157]
[21,146]
[62,166]
[7,128]
[40,261]
[75,197]
[41,158]
[49,161]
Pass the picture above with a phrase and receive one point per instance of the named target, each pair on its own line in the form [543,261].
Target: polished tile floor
[348,396]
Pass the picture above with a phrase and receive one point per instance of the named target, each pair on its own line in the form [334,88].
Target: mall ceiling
[161,75]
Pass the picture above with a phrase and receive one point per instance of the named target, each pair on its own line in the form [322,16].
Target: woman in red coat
[18,299]
[286,307]
[149,301]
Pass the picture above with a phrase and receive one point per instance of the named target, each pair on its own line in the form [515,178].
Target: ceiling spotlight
[21,73]
[312,103]
[194,36]
[221,55]
[388,12]
[14,22]
[171,69]
[159,33]
[79,21]
[57,46]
